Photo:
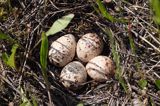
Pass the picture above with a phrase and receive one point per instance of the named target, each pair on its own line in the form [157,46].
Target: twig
[153,67]
[9,83]
[157,49]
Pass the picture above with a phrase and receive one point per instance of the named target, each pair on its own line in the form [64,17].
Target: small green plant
[142,83]
[101,9]
[43,56]
[104,11]
[34,101]
[10,60]
[133,51]
[26,101]
[57,26]
[43,62]
[116,58]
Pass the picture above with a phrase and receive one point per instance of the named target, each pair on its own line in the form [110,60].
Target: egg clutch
[88,50]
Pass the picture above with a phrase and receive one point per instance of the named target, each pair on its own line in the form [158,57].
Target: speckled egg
[62,51]
[73,75]
[89,46]
[100,68]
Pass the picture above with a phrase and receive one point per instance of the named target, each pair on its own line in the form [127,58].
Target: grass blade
[11,59]
[103,11]
[44,52]
[60,24]
[43,61]
[116,58]
[5,57]
[34,101]
[157,82]
[43,58]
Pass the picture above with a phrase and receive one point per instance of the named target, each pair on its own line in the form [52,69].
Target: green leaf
[5,57]
[101,9]
[34,101]
[43,56]
[44,51]
[116,58]
[11,59]
[157,82]
[142,83]
[4,36]
[60,24]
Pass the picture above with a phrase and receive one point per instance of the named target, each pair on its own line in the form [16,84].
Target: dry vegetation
[24,20]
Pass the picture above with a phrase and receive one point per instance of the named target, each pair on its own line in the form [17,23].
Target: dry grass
[25,23]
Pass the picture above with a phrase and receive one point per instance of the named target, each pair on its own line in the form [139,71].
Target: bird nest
[136,42]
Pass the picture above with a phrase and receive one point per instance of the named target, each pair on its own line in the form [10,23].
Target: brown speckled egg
[73,75]
[62,51]
[89,46]
[100,68]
